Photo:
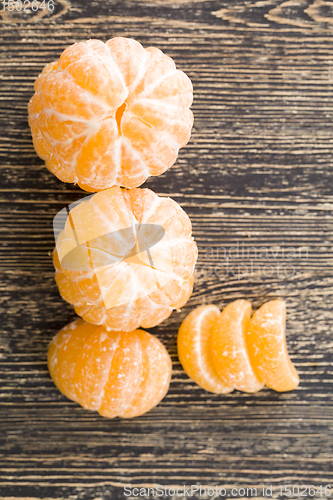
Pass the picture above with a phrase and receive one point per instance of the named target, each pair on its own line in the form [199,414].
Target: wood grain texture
[256,180]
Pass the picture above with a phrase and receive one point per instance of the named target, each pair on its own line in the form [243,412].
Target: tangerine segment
[185,294]
[63,353]
[267,347]
[194,350]
[125,376]
[114,373]
[110,114]
[156,376]
[129,249]
[74,286]
[229,349]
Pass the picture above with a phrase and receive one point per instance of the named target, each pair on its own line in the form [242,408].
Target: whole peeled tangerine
[113,270]
[115,373]
[110,113]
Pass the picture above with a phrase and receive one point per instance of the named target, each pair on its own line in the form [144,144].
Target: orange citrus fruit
[110,266]
[193,344]
[267,346]
[110,113]
[115,373]
[229,348]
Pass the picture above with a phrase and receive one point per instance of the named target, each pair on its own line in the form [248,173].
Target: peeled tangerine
[125,258]
[110,113]
[115,373]
[230,350]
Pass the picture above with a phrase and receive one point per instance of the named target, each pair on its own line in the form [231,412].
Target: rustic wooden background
[257,173]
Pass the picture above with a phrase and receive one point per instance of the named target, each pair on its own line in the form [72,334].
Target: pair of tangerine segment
[115,373]
[110,113]
[102,263]
[230,350]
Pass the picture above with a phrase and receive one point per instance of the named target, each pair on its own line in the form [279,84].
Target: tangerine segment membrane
[194,350]
[267,347]
[108,256]
[229,348]
[114,373]
[110,114]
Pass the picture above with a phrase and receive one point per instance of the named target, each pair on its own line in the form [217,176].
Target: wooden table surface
[256,179]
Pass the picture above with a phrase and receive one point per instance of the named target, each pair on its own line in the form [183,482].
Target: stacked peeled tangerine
[223,351]
[107,116]
[125,258]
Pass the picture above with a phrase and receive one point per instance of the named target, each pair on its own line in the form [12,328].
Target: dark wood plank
[256,178]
